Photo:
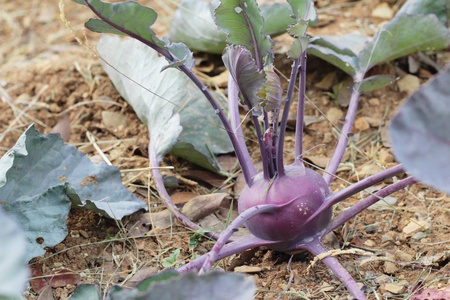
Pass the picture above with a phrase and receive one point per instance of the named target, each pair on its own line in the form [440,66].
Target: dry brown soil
[45,74]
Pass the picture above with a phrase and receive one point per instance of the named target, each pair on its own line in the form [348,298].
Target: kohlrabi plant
[285,207]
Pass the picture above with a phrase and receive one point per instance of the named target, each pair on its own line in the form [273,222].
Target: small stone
[403,256]
[361,124]
[369,243]
[389,267]
[371,228]
[419,235]
[415,226]
[327,82]
[247,269]
[384,156]
[382,279]
[334,114]
[383,11]
[409,83]
[374,102]
[394,288]
[388,237]
[374,122]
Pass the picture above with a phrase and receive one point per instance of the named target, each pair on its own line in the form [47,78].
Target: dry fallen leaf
[204,205]
[63,128]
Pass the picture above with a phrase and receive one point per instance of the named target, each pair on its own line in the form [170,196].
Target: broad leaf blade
[299,8]
[156,97]
[213,285]
[86,292]
[375,82]
[13,264]
[271,91]
[347,63]
[97,25]
[129,17]
[404,35]
[440,8]
[420,133]
[96,186]
[244,71]
[351,44]
[242,21]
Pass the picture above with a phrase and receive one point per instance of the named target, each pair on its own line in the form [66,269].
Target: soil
[45,74]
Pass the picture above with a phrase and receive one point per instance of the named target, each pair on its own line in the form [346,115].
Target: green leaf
[172,260]
[351,44]
[375,82]
[86,292]
[69,174]
[130,17]
[165,275]
[297,47]
[13,264]
[347,63]
[271,91]
[402,36]
[242,21]
[277,17]
[97,25]
[420,133]
[244,71]
[299,8]
[182,53]
[174,110]
[440,8]
[213,285]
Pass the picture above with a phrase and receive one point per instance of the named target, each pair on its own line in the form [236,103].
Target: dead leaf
[113,120]
[228,162]
[204,205]
[63,278]
[182,197]
[46,293]
[327,82]
[63,128]
[38,284]
[141,275]
[320,161]
[141,223]
[220,80]
[240,184]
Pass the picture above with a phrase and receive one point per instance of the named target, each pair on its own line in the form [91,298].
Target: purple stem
[159,182]
[298,148]
[233,227]
[358,187]
[343,139]
[316,248]
[363,204]
[265,156]
[284,118]
[233,109]
[227,250]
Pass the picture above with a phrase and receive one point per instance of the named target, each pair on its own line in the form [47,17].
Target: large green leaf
[243,23]
[43,168]
[347,63]
[86,292]
[441,8]
[135,20]
[404,35]
[165,101]
[13,264]
[375,82]
[214,285]
[420,133]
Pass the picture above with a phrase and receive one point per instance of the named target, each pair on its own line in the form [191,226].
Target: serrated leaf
[170,91]
[299,29]
[299,8]
[242,21]
[375,82]
[244,71]
[86,292]
[92,186]
[402,36]
[347,63]
[13,264]
[271,91]
[420,133]
[440,8]
[297,47]
[182,53]
[213,285]
[129,17]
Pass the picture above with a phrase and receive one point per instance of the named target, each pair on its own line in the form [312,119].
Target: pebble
[334,114]
[247,269]
[403,256]
[394,288]
[374,122]
[415,226]
[409,83]
[374,102]
[389,267]
[369,243]
[383,11]
[327,82]
[382,279]
[84,234]
[384,156]
[371,228]
[361,124]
